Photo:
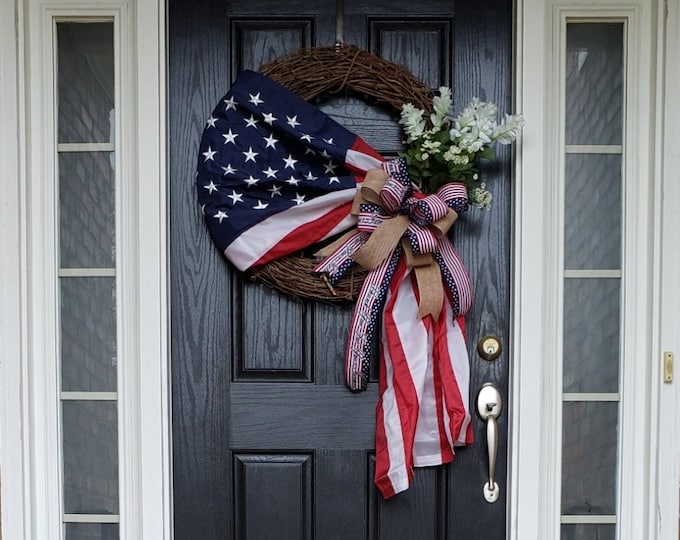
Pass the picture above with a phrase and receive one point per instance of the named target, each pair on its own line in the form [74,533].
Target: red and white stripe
[292,229]
[422,411]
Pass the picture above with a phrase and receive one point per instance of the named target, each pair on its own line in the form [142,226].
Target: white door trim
[14,458]
[145,410]
[529,442]
[664,504]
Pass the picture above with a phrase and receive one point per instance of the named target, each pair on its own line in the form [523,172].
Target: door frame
[534,458]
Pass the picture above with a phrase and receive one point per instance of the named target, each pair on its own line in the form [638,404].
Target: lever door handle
[489,407]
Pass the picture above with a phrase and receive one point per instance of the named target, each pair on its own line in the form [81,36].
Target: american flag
[423,405]
[275,174]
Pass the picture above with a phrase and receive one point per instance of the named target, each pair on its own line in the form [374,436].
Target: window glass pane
[591,335]
[592,213]
[588,532]
[88,334]
[91,531]
[90,457]
[594,83]
[87,220]
[589,450]
[85,81]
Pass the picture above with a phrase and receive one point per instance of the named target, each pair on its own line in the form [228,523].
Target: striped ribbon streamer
[397,198]
[364,321]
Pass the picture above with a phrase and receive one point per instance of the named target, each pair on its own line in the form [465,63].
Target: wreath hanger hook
[339,24]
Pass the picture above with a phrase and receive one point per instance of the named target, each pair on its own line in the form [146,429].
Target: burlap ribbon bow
[415,223]
[393,221]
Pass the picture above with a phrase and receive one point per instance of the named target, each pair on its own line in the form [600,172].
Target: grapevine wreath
[343,70]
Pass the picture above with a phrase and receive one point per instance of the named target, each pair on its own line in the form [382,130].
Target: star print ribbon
[393,220]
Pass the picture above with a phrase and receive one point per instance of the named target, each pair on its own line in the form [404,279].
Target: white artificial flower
[481,197]
[451,153]
[509,130]
[484,200]
[413,121]
[486,113]
[457,139]
[434,147]
[441,105]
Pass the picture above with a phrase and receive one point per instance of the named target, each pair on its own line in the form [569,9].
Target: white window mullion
[91,518]
[88,396]
[87,272]
[85,147]
[578,274]
[591,396]
[586,519]
[593,149]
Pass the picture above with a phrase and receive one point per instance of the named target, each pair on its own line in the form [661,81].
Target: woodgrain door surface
[263,444]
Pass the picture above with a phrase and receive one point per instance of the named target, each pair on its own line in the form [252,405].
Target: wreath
[344,70]
[269,189]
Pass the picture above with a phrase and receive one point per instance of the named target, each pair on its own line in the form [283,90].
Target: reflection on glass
[589,453]
[85,81]
[90,457]
[91,531]
[88,334]
[591,335]
[592,213]
[594,83]
[588,532]
[87,220]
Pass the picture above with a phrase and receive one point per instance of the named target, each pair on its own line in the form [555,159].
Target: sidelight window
[594,153]
[88,333]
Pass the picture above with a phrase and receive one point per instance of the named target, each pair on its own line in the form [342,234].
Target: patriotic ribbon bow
[393,220]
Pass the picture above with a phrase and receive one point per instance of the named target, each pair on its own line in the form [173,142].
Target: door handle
[489,407]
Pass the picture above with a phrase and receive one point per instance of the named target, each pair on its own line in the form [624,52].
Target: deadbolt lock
[489,348]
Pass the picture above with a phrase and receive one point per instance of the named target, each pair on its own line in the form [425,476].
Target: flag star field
[271,167]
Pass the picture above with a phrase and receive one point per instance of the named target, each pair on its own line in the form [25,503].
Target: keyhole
[489,348]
